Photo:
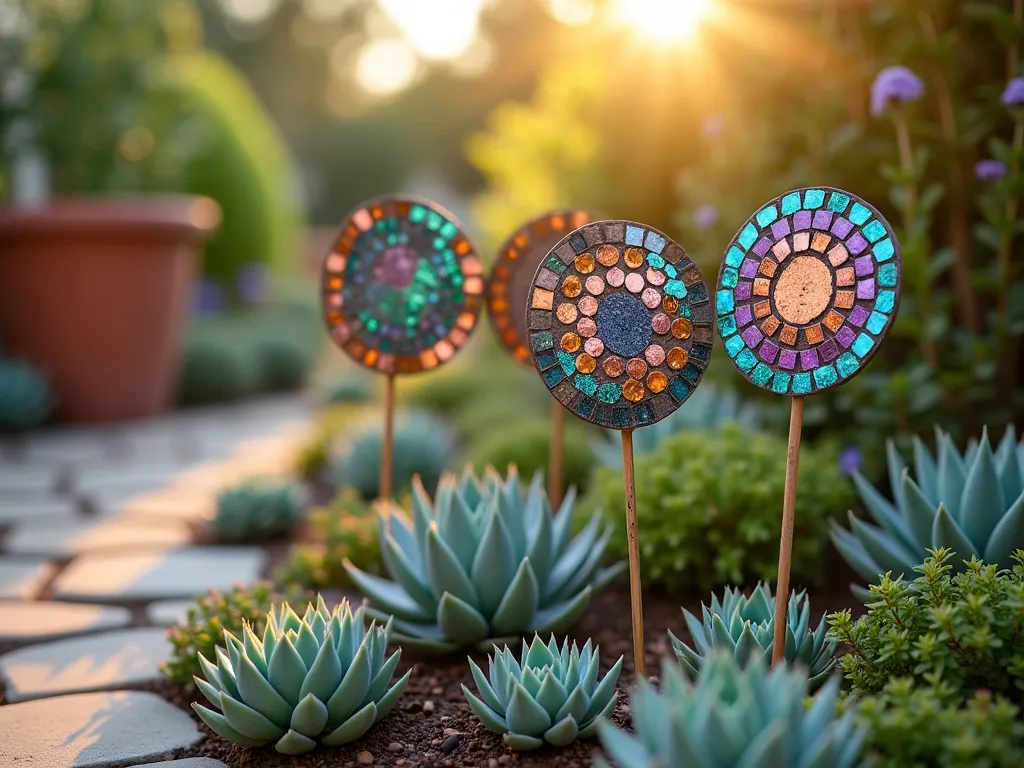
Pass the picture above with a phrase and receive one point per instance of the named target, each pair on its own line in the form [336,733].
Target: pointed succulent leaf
[405,573]
[519,742]
[624,749]
[540,545]
[492,720]
[576,705]
[387,595]
[768,749]
[603,694]
[518,609]
[538,654]
[747,647]
[896,466]
[700,640]
[494,566]
[352,728]
[887,551]
[307,646]
[487,692]
[349,694]
[210,671]
[229,683]
[552,695]
[455,527]
[854,553]
[460,621]
[324,675]
[395,524]
[310,716]
[212,694]
[220,725]
[389,699]
[254,648]
[919,512]
[925,473]
[952,475]
[561,616]
[286,671]
[1010,477]
[248,722]
[573,557]
[981,504]
[446,572]
[563,733]
[720,636]
[585,573]
[946,533]
[294,743]
[1007,536]
[259,694]
[882,511]
[561,523]
[422,513]
[524,715]
[379,683]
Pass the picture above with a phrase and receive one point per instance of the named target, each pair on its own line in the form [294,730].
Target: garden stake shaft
[796,421]
[386,459]
[555,451]
[635,596]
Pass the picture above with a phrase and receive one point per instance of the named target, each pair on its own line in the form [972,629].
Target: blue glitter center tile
[624,324]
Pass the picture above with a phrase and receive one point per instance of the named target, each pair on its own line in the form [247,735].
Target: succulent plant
[319,678]
[734,716]
[256,510]
[25,397]
[484,564]
[745,627]
[971,503]
[549,696]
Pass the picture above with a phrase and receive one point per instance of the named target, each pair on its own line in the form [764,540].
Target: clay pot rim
[181,214]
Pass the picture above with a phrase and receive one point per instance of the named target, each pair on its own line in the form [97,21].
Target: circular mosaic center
[395,267]
[803,290]
[624,324]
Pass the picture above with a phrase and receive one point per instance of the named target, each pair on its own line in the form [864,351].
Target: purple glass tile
[865,266]
[801,220]
[743,291]
[787,359]
[780,229]
[846,335]
[744,315]
[752,336]
[762,246]
[768,352]
[809,359]
[866,289]
[858,316]
[749,268]
[857,243]
[829,350]
[822,219]
[841,227]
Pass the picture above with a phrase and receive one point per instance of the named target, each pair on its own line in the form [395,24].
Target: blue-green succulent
[484,564]
[26,400]
[550,695]
[745,628]
[734,717]
[320,678]
[971,503]
[256,510]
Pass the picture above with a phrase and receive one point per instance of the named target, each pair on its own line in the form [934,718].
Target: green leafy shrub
[525,444]
[709,506]
[256,511]
[344,530]
[932,727]
[219,363]
[206,621]
[287,342]
[26,400]
[350,389]
[965,630]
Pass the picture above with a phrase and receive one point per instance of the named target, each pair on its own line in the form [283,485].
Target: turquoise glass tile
[553,377]
[838,202]
[847,365]
[609,393]
[734,346]
[859,214]
[791,203]
[887,275]
[417,213]
[585,383]
[825,376]
[748,235]
[874,231]
[730,277]
[734,257]
[655,260]
[780,384]
[448,230]
[767,215]
[814,198]
[762,375]
[679,389]
[884,250]
[876,322]
[567,361]
[675,288]
[886,301]
[862,346]
[802,383]
[724,302]
[746,360]
[727,325]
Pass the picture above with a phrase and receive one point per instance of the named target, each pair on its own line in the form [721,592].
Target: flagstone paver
[170,505]
[37,621]
[23,480]
[22,578]
[164,613]
[108,660]
[178,573]
[190,762]
[86,536]
[93,730]
[51,510]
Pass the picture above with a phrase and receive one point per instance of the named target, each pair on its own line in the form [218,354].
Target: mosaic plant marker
[619,326]
[402,289]
[808,290]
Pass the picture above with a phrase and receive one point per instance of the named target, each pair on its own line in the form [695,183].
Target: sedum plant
[550,695]
[320,678]
[256,510]
[745,628]
[484,564]
[972,503]
[963,629]
[734,717]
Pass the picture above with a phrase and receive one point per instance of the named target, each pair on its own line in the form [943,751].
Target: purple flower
[713,126]
[1013,96]
[706,216]
[990,170]
[253,283]
[207,298]
[850,460]
[893,86]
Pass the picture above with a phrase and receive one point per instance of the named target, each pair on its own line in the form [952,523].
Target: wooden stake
[635,595]
[555,452]
[387,451]
[796,422]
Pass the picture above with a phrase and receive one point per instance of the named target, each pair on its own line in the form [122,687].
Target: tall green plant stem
[924,290]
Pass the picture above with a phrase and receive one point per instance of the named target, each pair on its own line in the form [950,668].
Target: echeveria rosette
[893,87]
[971,503]
[257,510]
[745,628]
[320,678]
[734,717]
[484,565]
[550,695]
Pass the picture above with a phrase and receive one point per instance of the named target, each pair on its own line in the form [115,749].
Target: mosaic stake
[619,328]
[508,290]
[401,289]
[808,290]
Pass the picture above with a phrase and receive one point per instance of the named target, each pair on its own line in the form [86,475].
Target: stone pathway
[98,554]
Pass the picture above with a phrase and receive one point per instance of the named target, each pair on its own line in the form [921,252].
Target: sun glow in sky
[438,29]
[664,21]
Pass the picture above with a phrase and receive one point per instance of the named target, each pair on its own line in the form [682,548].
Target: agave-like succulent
[550,695]
[321,677]
[257,510]
[484,565]
[971,503]
[745,628]
[734,717]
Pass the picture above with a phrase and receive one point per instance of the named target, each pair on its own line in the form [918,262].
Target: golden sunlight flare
[664,21]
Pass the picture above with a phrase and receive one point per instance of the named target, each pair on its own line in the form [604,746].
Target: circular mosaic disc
[809,287]
[508,288]
[402,287]
[619,324]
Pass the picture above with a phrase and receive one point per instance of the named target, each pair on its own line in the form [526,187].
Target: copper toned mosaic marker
[619,328]
[508,292]
[808,290]
[401,289]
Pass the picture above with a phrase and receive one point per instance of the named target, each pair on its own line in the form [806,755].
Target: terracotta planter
[95,292]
